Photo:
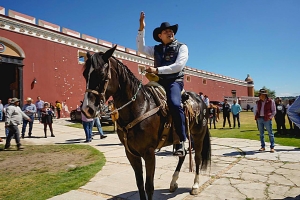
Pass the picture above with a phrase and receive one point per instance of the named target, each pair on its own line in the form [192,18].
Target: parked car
[75,115]
[217,103]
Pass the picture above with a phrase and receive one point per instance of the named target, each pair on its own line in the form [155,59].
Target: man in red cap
[170,57]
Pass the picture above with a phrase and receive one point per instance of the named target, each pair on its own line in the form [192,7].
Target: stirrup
[180,151]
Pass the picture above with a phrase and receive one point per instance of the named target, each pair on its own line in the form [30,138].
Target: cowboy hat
[14,100]
[29,99]
[263,91]
[164,26]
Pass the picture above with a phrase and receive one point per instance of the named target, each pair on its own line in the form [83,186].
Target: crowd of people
[14,116]
[44,112]
[264,111]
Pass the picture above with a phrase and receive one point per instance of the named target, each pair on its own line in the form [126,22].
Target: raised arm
[140,40]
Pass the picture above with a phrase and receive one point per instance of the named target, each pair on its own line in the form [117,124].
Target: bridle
[102,94]
[107,79]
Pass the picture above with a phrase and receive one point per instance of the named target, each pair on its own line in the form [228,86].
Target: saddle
[168,135]
[191,111]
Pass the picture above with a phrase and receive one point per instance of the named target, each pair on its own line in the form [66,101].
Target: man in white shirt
[170,57]
[206,100]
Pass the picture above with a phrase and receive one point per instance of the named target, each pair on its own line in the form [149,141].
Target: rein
[133,98]
[102,94]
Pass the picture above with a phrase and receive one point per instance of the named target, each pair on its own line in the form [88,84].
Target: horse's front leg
[173,184]
[136,163]
[149,158]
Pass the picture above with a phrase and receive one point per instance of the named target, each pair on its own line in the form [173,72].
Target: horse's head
[97,74]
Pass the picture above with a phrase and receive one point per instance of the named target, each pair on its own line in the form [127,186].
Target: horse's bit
[102,94]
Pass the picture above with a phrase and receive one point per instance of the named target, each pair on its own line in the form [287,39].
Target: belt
[261,117]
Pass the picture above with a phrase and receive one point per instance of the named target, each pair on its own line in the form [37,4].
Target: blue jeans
[88,127]
[6,132]
[268,125]
[39,113]
[173,90]
[212,119]
[25,122]
[98,125]
[1,115]
[237,116]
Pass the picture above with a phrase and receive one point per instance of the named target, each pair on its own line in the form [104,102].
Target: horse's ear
[88,55]
[109,53]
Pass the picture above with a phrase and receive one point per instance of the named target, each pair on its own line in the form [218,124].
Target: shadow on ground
[159,194]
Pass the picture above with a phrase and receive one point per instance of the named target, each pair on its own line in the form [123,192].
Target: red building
[38,58]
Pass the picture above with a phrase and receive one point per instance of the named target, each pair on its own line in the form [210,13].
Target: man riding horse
[170,58]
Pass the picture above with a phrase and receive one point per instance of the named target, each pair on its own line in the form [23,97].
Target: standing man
[265,111]
[14,116]
[170,57]
[29,109]
[39,104]
[4,110]
[212,115]
[236,109]
[99,128]
[226,113]
[206,100]
[280,116]
[1,110]
[201,95]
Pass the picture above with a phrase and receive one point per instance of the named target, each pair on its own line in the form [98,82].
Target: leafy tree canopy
[271,93]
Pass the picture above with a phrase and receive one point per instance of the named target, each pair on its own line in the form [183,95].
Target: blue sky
[229,37]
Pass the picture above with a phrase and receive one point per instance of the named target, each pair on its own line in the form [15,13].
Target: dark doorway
[9,85]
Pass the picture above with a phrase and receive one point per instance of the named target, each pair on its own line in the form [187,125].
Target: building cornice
[33,30]
[17,26]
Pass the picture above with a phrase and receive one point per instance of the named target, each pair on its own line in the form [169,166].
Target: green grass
[249,130]
[104,128]
[43,183]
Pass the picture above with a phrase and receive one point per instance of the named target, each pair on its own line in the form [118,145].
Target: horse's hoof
[173,188]
[194,191]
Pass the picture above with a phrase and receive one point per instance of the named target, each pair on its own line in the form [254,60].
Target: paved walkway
[238,170]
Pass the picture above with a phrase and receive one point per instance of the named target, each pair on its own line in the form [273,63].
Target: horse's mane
[128,77]
[122,70]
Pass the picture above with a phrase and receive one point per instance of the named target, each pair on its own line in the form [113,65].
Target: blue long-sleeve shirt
[39,104]
[294,112]
[236,109]
[29,109]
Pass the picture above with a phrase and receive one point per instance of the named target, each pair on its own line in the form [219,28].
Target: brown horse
[105,77]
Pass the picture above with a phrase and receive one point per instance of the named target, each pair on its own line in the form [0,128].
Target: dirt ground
[49,161]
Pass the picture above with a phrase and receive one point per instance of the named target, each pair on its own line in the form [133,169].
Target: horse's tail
[206,151]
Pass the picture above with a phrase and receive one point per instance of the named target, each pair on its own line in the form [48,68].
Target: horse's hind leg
[136,163]
[173,184]
[202,157]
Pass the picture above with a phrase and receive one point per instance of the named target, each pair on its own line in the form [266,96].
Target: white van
[251,101]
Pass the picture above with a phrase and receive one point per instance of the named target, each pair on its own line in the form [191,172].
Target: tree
[271,93]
